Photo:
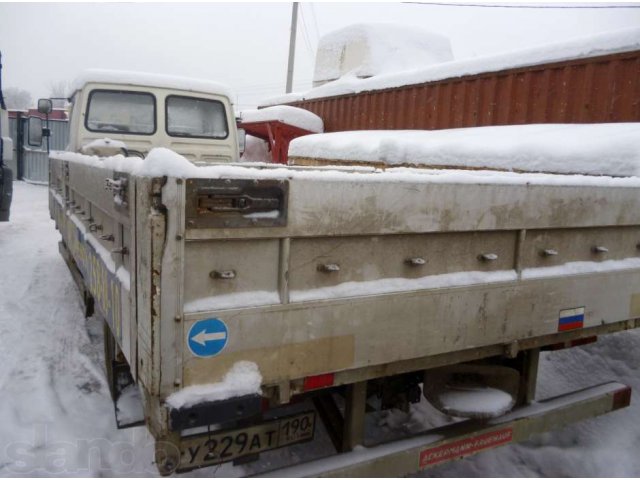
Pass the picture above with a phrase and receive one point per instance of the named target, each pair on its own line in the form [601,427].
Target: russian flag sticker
[571,319]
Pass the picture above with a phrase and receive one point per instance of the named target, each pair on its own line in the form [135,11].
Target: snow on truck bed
[619,41]
[602,149]
[583,154]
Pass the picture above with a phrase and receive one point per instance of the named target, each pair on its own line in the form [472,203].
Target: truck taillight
[318,381]
[572,343]
[621,398]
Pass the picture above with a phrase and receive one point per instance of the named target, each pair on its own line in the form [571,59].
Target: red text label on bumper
[449,451]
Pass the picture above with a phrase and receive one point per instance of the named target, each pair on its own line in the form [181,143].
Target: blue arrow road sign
[208,337]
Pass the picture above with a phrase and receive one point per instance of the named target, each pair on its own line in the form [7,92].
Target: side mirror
[242,140]
[35,131]
[45,105]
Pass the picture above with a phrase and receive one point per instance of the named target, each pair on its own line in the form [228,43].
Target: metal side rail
[466,438]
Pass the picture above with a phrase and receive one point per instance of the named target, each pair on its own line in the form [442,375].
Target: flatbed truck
[232,291]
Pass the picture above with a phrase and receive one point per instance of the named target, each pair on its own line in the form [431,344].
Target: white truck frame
[338,281]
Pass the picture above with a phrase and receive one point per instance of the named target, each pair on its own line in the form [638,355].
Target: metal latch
[121,251]
[234,203]
[239,203]
[223,274]
[115,186]
[415,261]
[600,249]
[548,252]
[487,257]
[329,267]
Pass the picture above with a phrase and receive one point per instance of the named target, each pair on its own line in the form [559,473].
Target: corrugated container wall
[590,90]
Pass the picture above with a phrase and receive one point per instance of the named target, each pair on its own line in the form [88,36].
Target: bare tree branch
[61,89]
[17,99]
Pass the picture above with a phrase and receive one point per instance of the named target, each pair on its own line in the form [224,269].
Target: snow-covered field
[56,416]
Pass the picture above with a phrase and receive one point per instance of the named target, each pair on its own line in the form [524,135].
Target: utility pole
[292,46]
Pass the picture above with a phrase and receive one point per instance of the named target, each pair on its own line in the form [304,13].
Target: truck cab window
[196,117]
[121,112]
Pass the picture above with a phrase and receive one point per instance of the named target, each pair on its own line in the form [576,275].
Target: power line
[315,22]
[252,85]
[271,91]
[305,34]
[266,87]
[268,90]
[259,88]
[541,7]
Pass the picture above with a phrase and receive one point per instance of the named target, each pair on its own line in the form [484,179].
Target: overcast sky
[245,45]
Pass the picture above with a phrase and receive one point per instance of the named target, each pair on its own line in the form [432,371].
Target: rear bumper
[218,412]
[463,439]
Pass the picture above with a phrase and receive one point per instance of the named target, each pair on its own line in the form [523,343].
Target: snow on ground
[56,416]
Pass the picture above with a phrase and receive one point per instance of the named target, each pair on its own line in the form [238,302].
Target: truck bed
[359,273]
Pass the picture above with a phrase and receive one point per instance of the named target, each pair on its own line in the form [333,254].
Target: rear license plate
[202,450]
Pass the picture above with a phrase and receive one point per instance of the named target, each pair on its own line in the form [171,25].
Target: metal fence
[36,166]
[33,162]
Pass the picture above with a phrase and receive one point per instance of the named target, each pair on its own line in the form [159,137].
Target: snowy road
[56,416]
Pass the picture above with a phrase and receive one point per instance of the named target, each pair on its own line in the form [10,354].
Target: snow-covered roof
[584,47]
[152,80]
[297,117]
[370,49]
[593,149]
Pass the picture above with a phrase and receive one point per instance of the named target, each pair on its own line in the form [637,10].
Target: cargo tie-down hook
[415,261]
[329,267]
[223,274]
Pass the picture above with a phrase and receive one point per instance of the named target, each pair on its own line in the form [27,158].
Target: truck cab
[122,112]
